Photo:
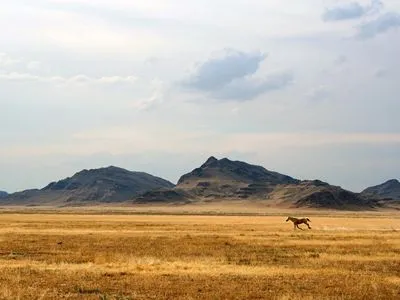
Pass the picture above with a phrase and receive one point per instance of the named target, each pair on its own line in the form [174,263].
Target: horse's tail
[308,220]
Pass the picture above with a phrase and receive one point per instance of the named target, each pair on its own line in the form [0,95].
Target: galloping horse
[296,222]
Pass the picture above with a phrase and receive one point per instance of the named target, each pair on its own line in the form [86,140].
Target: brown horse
[296,222]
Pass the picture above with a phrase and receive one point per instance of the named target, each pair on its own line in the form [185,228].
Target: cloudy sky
[307,88]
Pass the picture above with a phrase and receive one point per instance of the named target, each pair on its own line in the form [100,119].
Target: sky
[307,88]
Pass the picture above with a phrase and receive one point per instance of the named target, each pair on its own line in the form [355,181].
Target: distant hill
[389,190]
[227,170]
[102,185]
[224,179]
[227,178]
[318,194]
[3,194]
[220,179]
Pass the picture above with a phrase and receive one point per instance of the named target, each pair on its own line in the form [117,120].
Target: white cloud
[235,110]
[34,65]
[154,100]
[116,79]
[53,25]
[230,76]
[77,79]
[158,90]
[341,59]
[264,141]
[220,70]
[137,139]
[381,73]
[249,88]
[319,93]
[384,23]
[6,60]
[351,10]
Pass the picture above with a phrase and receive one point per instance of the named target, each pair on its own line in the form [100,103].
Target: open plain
[93,255]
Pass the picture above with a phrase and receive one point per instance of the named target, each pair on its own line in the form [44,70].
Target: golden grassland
[213,207]
[115,256]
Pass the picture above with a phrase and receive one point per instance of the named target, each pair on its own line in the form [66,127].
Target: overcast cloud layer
[308,89]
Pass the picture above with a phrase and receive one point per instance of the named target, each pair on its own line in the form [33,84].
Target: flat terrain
[116,256]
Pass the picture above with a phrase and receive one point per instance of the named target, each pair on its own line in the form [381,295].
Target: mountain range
[215,180]
[226,179]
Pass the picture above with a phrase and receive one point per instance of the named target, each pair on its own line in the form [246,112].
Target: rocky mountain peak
[209,162]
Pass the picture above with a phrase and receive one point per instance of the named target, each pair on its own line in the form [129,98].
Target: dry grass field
[93,256]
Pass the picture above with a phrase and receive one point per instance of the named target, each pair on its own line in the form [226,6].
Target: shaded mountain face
[390,189]
[3,194]
[110,184]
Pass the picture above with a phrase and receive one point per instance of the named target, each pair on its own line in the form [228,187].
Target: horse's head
[288,219]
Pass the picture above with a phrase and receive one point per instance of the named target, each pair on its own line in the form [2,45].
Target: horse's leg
[309,227]
[299,227]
